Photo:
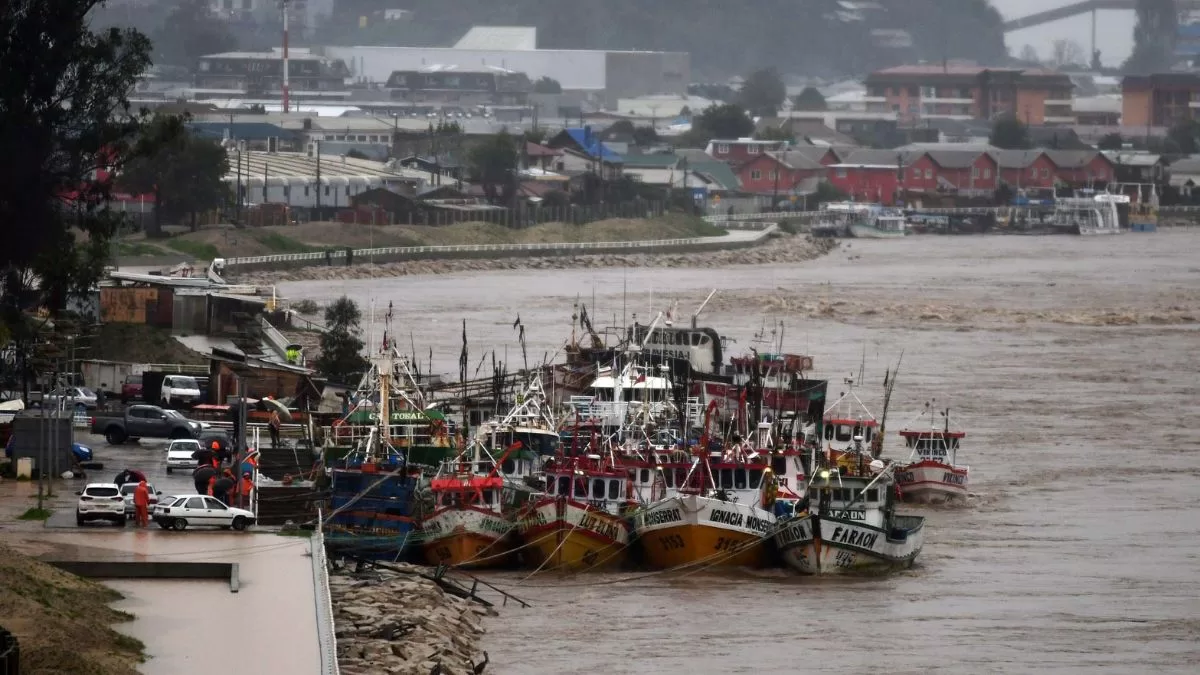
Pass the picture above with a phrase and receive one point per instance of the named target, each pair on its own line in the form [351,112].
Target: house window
[771,175]
[987,173]
[756,175]
[305,190]
[760,149]
[928,174]
[916,174]
[1045,172]
[722,149]
[841,173]
[1033,172]
[974,172]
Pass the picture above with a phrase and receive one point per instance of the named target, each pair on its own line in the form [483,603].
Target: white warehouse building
[612,75]
[291,178]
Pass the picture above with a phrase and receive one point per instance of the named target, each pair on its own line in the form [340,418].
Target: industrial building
[301,179]
[608,75]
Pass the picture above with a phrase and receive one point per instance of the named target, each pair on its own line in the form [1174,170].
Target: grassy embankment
[62,622]
[227,242]
[136,343]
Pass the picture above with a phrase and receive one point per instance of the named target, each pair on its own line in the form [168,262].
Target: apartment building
[1159,100]
[965,92]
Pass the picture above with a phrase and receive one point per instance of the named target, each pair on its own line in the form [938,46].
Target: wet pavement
[200,627]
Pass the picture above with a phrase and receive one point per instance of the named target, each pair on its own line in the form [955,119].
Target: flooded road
[1074,365]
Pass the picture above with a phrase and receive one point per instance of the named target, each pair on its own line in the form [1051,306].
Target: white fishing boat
[1088,216]
[932,474]
[879,222]
[850,524]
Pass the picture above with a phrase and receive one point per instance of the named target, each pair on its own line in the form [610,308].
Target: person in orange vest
[247,488]
[141,504]
[211,483]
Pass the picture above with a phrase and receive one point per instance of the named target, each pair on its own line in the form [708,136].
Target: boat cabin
[613,397]
[932,445]
[841,430]
[467,490]
[853,498]
[605,488]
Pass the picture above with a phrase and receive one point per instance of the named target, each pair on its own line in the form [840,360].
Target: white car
[71,397]
[100,501]
[200,511]
[181,454]
[180,389]
[127,493]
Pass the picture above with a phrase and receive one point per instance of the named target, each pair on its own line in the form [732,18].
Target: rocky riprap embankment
[402,624]
[778,250]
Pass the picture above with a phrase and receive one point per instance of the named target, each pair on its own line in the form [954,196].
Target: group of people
[215,480]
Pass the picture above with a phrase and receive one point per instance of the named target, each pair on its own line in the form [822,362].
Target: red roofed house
[1082,168]
[1026,168]
[961,171]
[866,182]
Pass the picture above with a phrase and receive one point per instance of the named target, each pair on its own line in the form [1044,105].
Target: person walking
[101,397]
[141,504]
[273,425]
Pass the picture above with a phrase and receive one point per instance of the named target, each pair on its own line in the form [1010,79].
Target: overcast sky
[1114,30]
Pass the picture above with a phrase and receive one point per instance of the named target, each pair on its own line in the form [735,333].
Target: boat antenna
[889,385]
[862,365]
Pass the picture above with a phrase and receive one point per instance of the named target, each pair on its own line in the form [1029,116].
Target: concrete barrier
[110,569]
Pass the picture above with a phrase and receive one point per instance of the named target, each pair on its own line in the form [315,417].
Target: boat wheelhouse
[848,420]
[528,425]
[932,474]
[879,222]
[1088,215]
[850,523]
[635,392]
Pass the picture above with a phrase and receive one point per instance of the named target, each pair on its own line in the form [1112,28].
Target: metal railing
[326,638]
[766,218]
[435,251]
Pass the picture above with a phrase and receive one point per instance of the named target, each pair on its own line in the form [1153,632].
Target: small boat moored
[932,474]
[850,524]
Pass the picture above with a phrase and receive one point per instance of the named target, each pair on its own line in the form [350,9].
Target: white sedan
[181,454]
[177,513]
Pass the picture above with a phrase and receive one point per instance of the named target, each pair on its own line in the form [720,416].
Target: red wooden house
[1026,168]
[866,182]
[778,172]
[741,150]
[1082,168]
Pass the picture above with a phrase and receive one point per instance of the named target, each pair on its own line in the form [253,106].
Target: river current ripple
[1074,365]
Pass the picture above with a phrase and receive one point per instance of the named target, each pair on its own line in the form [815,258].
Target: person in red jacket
[247,488]
[141,504]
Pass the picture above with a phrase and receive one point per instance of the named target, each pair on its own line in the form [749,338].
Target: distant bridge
[1077,8]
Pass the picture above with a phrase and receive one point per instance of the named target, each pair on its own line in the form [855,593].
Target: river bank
[777,250]
[403,624]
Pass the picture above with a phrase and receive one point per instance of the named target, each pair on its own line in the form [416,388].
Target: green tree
[65,125]
[762,93]
[190,31]
[1112,141]
[547,85]
[727,121]
[774,133]
[1183,136]
[1009,133]
[184,173]
[493,164]
[341,357]
[621,127]
[809,98]
[1153,38]
[645,136]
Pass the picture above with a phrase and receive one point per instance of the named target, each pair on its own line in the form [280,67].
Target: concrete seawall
[738,235]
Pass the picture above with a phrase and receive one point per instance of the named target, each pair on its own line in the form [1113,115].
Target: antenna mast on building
[284,5]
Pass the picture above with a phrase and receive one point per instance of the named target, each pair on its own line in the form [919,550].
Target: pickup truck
[145,421]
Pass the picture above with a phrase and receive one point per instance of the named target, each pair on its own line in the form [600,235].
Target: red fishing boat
[932,474]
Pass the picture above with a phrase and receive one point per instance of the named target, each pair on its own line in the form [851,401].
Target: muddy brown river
[1074,365]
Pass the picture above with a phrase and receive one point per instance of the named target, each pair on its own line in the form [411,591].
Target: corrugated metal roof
[1071,159]
[1015,159]
[521,38]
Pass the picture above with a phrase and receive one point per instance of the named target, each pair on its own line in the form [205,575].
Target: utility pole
[318,177]
[284,4]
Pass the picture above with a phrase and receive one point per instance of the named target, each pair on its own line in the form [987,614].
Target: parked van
[179,390]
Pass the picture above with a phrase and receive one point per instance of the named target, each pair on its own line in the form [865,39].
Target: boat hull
[703,533]
[466,538]
[812,544]
[561,534]
[931,482]
[1095,231]
[868,232]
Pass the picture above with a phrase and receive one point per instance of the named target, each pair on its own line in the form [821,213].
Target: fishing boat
[719,513]
[372,484]
[932,474]
[850,522]
[581,522]
[879,222]
[529,424]
[834,219]
[471,521]
[848,419]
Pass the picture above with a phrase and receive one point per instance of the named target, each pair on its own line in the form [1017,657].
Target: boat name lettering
[494,525]
[954,478]
[854,537]
[739,520]
[660,517]
[905,477]
[600,526]
[849,515]
[932,453]
[796,532]
[432,526]
[536,519]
